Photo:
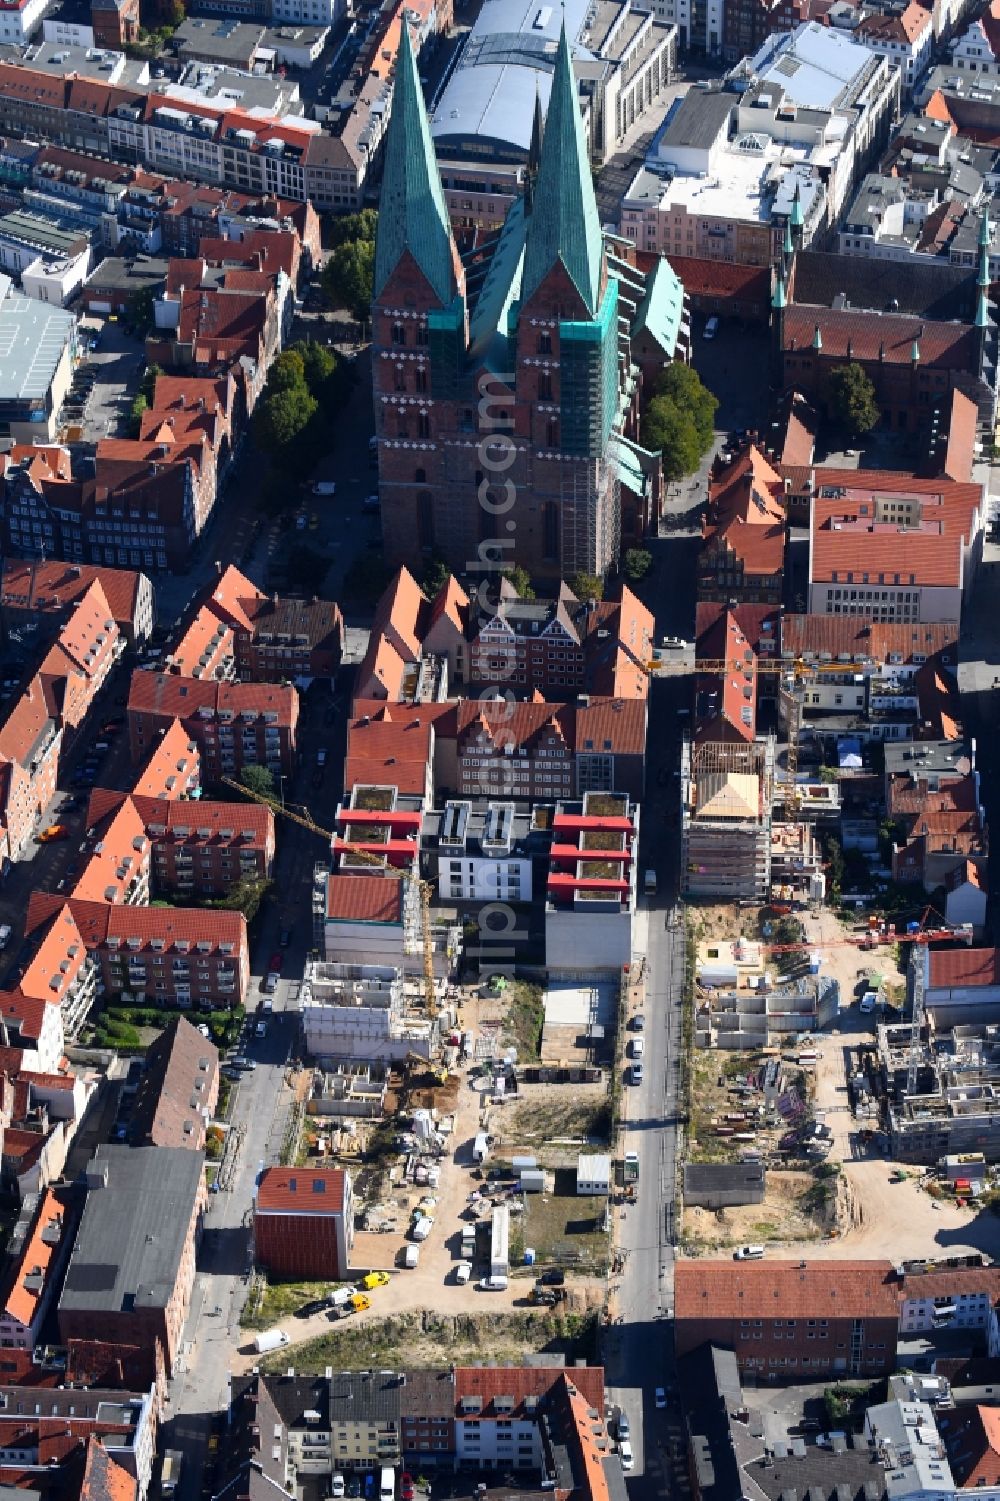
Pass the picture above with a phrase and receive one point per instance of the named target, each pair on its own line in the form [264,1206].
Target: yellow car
[375,1279]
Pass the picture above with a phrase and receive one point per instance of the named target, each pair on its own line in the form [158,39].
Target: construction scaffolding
[942,1091]
[727,792]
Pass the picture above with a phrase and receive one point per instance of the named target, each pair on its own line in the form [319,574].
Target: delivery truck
[273,1339]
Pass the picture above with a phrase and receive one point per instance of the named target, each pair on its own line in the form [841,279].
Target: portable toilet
[529,1255]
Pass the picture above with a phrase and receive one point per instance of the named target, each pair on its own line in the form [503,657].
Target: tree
[587,586]
[360,226]
[139,311]
[258,779]
[850,398]
[437,575]
[671,430]
[135,411]
[349,275]
[175,13]
[287,373]
[280,418]
[521,579]
[683,386]
[318,363]
[246,897]
[637,564]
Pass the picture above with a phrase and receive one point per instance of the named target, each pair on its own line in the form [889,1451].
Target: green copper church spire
[412,211]
[564,224]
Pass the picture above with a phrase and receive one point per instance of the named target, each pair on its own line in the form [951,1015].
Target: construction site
[940,1091]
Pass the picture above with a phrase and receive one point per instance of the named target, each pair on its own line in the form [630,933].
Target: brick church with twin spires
[507,380]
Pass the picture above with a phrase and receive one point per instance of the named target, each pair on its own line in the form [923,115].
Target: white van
[387,1485]
[749,1253]
[638,1047]
[463,1271]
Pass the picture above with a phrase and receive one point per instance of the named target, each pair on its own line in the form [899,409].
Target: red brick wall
[294,1245]
[777,1348]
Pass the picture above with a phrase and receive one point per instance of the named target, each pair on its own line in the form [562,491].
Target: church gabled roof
[412,211]
[564,224]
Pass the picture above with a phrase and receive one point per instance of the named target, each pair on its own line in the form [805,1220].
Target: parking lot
[104,383]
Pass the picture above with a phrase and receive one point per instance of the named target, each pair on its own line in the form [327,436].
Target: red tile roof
[364,899]
[20,1300]
[170,765]
[98,923]
[519,1382]
[963,967]
[862,638]
[56,586]
[847,537]
[301,1190]
[905,27]
[972,1440]
[791,1289]
[390,752]
[943,346]
[181,698]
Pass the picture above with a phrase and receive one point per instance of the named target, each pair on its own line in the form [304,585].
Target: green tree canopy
[521,579]
[671,430]
[360,226]
[436,576]
[245,896]
[851,398]
[349,275]
[280,418]
[318,363]
[287,373]
[683,385]
[636,564]
[587,586]
[258,779]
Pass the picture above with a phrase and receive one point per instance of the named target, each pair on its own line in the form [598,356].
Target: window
[425,519]
[420,476]
[545,343]
[544,386]
[398,334]
[423,425]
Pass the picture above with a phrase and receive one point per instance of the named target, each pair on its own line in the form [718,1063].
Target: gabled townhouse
[35,1267]
[561,646]
[117,868]
[743,535]
[176,955]
[178,1090]
[77,665]
[60,975]
[416,645]
[41,595]
[33,1027]
[725,701]
[187,407]
[30,743]
[118,459]
[195,845]
[233,724]
[173,769]
[241,632]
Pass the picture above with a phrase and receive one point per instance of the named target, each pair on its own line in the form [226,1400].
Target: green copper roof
[564,224]
[915,352]
[797,218]
[779,300]
[662,307]
[412,212]
[983,279]
[984,229]
[817,338]
[789,246]
[982,312]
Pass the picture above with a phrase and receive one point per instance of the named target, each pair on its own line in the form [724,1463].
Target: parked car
[554,1277]
[53,832]
[371,505]
[660,1398]
[375,1279]
[285,937]
[275,962]
[625,1455]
